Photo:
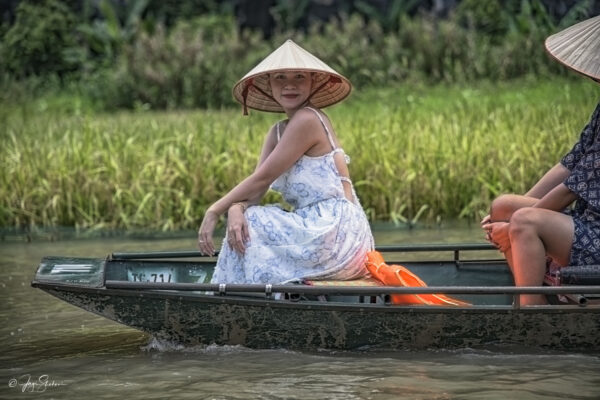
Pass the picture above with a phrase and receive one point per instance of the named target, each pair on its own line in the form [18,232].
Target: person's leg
[503,207]
[535,233]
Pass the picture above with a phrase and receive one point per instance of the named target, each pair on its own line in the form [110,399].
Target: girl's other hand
[205,232]
[237,228]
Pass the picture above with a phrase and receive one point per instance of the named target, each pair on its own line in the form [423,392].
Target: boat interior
[470,273]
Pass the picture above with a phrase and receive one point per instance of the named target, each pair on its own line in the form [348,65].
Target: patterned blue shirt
[584,163]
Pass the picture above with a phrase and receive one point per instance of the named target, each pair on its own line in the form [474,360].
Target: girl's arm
[268,146]
[302,132]
[237,226]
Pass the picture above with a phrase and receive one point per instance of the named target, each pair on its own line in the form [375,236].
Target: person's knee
[502,207]
[522,221]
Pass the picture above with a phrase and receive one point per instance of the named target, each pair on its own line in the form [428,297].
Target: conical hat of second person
[578,47]
[254,91]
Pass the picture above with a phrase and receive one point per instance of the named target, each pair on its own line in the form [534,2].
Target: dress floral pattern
[584,180]
[326,236]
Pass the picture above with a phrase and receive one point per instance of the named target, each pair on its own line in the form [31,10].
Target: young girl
[530,227]
[327,235]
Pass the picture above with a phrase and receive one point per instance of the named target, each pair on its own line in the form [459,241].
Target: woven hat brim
[578,47]
[331,87]
[331,93]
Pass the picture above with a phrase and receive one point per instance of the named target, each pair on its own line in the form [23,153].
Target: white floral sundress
[326,236]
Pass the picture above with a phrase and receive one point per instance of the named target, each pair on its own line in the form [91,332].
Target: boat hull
[200,319]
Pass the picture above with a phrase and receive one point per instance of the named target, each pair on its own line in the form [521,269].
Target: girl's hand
[237,228]
[205,232]
[497,234]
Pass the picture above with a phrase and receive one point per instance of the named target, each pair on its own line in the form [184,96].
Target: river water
[52,350]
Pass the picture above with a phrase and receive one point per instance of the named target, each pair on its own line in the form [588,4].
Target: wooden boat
[168,295]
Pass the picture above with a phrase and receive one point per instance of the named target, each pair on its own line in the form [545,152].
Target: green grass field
[418,153]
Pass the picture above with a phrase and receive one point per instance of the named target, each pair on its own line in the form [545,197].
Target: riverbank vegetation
[426,153]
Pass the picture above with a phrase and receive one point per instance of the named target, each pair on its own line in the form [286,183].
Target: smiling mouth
[289,96]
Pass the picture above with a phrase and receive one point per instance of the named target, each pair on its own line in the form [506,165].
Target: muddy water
[53,350]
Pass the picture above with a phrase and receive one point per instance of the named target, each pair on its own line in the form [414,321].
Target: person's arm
[551,179]
[557,199]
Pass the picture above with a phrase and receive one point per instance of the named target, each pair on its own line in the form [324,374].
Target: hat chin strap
[332,79]
[247,89]
[245,96]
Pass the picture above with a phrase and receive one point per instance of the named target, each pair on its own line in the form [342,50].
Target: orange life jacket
[397,275]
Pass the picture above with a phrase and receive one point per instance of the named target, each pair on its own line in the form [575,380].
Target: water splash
[168,346]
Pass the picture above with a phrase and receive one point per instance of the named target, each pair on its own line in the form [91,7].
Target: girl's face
[291,88]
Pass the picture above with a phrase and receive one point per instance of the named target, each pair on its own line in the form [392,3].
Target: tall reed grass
[418,153]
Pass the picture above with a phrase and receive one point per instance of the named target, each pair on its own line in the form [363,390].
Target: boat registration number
[159,276]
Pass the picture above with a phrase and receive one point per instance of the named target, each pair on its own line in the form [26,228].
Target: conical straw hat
[578,47]
[254,90]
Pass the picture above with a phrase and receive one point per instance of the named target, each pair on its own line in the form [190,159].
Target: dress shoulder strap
[333,146]
[278,131]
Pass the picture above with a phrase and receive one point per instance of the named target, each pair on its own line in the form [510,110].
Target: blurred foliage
[192,65]
[38,42]
[104,38]
[488,17]
[390,17]
[169,12]
[289,13]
